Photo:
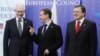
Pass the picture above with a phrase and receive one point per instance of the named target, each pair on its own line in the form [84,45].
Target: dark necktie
[19,27]
[77,26]
[44,29]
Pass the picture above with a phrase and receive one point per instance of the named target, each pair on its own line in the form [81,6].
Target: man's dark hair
[47,12]
[82,8]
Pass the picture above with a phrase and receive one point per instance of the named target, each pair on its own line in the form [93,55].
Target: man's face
[78,14]
[43,17]
[19,12]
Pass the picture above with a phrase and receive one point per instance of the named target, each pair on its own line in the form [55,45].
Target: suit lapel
[15,26]
[50,26]
[47,31]
[41,30]
[73,28]
[25,26]
[82,26]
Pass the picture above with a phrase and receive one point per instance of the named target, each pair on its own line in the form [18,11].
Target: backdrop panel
[64,10]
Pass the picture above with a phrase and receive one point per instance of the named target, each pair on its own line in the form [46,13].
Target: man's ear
[84,14]
[47,15]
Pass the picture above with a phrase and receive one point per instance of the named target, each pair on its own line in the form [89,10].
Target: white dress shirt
[22,22]
[48,24]
[81,21]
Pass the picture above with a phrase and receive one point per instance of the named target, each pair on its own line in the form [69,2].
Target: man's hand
[30,55]
[31,30]
[46,52]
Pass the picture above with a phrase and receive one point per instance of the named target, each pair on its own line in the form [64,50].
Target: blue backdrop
[64,15]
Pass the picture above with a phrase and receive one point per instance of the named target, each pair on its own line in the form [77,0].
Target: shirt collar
[48,23]
[81,20]
[18,19]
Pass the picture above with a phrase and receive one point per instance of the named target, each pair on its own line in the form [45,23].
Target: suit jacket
[84,43]
[52,40]
[13,43]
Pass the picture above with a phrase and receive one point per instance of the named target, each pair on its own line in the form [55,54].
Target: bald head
[19,10]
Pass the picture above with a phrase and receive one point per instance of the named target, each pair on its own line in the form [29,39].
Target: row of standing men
[81,35]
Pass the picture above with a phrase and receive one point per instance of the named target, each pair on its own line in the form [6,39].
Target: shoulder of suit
[89,21]
[52,26]
[10,20]
[71,22]
[55,26]
[40,27]
[26,19]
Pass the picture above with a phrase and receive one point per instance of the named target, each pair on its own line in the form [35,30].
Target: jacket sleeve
[35,37]
[93,39]
[58,39]
[66,42]
[30,41]
[6,39]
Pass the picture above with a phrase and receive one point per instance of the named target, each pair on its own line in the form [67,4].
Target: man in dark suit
[81,37]
[16,35]
[49,36]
